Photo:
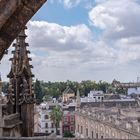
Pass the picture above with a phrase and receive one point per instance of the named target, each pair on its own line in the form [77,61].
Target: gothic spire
[21,95]
[78,99]
[21,72]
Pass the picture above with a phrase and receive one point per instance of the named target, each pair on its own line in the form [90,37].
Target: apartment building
[45,124]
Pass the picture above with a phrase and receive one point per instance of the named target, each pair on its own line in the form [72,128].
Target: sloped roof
[110,103]
[115,96]
[112,96]
[68,90]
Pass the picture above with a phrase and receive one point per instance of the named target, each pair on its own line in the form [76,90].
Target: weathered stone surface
[43,138]
[13,16]
[7,8]
[21,95]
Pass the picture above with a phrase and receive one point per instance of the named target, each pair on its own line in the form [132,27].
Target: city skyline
[84,40]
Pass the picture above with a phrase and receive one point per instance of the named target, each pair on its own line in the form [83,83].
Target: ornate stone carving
[21,95]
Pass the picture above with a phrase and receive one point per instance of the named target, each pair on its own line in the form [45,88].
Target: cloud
[72,52]
[66,49]
[5,65]
[52,36]
[67,45]
[120,28]
[69,3]
[115,19]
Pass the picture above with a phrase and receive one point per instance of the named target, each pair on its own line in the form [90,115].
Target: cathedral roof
[68,90]
[115,96]
[110,103]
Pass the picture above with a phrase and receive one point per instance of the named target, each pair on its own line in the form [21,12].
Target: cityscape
[67,69]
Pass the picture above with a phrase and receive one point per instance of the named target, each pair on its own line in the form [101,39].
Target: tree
[55,89]
[121,90]
[38,91]
[68,134]
[102,85]
[47,98]
[56,116]
[111,89]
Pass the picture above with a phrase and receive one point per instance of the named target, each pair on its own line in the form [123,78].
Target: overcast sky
[84,40]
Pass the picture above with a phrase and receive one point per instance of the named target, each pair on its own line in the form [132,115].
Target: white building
[45,124]
[133,91]
[97,95]
[94,96]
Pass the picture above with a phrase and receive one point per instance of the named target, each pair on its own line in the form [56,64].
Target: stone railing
[44,138]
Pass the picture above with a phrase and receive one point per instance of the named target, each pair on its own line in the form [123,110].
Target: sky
[84,40]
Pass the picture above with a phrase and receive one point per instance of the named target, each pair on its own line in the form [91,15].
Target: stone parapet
[43,138]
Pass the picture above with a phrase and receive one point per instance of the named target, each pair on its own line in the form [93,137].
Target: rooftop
[68,90]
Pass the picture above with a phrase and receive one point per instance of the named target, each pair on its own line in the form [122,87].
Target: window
[66,128]
[46,125]
[52,131]
[113,134]
[43,108]
[46,117]
[39,115]
[98,97]
[78,128]
[72,118]
[65,119]
[92,134]
[52,124]
[86,132]
[101,128]
[138,119]
[65,123]
[107,131]
[81,129]
[72,128]
[72,122]
[58,132]
[102,137]
[96,135]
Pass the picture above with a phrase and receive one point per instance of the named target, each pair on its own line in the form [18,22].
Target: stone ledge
[45,138]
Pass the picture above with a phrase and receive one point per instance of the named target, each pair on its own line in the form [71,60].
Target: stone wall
[105,123]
